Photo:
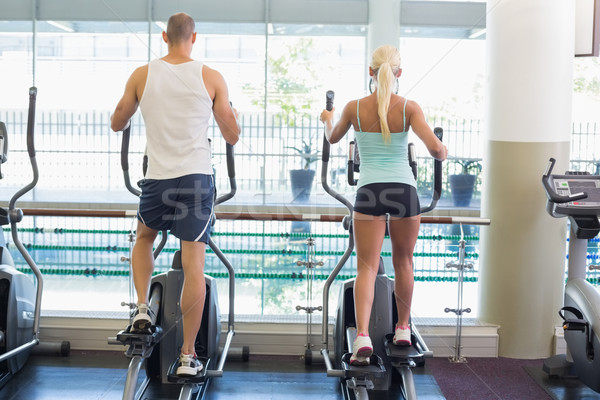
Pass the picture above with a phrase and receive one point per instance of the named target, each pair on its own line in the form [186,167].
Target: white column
[384,24]
[530,66]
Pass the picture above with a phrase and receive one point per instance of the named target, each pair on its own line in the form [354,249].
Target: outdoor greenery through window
[277,76]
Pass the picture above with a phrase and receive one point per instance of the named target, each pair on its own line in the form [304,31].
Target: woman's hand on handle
[419,125]
[327,120]
[334,133]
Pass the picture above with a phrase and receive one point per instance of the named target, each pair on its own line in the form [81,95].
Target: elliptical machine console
[577,196]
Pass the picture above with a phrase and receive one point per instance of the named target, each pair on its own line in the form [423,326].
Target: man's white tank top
[176,109]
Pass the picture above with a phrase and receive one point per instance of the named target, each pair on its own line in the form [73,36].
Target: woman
[386,187]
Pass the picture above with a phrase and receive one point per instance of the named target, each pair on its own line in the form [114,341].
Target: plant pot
[461,188]
[301,180]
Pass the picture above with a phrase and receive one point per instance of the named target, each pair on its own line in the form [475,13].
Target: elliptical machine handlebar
[329,96]
[229,154]
[230,159]
[136,192]
[554,197]
[129,186]
[31,121]
[125,161]
[437,177]
[16,215]
[353,167]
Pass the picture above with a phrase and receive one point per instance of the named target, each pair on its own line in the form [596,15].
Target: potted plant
[462,185]
[302,179]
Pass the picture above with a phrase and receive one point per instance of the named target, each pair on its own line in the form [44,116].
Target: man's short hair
[180,27]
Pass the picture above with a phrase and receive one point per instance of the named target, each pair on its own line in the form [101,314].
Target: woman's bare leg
[403,234]
[369,232]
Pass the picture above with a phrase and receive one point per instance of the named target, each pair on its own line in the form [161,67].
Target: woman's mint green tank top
[383,162]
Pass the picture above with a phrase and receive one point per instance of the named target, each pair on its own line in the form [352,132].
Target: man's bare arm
[225,115]
[128,104]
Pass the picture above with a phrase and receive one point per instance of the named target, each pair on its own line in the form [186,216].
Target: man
[176,96]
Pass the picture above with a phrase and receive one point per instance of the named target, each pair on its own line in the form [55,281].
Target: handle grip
[329,96]
[437,177]
[125,161]
[551,193]
[412,159]
[125,148]
[31,121]
[437,169]
[230,160]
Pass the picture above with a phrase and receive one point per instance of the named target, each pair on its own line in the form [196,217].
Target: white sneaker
[362,349]
[362,361]
[141,320]
[188,365]
[402,336]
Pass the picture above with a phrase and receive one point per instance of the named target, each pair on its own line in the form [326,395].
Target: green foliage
[586,78]
[291,80]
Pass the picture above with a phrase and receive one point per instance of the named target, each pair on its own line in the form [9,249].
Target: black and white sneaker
[188,365]
[142,320]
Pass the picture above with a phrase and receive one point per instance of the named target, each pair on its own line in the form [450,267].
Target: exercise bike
[159,347]
[377,378]
[577,196]
[20,299]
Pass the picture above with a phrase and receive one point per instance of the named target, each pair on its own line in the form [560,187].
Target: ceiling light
[65,26]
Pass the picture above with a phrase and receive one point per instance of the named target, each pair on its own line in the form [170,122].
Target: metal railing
[79,154]
[79,162]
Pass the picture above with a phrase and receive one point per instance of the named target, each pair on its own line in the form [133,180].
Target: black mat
[562,388]
[101,375]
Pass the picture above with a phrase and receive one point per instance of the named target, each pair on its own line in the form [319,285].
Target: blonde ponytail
[386,63]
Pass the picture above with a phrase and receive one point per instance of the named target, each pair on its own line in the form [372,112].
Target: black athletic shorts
[396,199]
[182,205]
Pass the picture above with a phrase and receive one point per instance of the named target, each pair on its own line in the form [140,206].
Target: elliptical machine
[357,381]
[577,196]
[159,348]
[20,300]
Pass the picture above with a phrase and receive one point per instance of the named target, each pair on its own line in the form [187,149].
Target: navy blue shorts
[182,205]
[396,199]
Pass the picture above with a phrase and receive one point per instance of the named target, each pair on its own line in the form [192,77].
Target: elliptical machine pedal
[139,343]
[395,351]
[200,377]
[375,369]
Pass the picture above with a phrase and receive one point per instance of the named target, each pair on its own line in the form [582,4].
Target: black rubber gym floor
[101,375]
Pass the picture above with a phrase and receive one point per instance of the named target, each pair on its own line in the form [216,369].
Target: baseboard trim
[274,336]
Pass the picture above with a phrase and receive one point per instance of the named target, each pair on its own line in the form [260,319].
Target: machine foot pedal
[375,369]
[148,339]
[198,378]
[397,353]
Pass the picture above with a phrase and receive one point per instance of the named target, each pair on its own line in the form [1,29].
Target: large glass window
[277,76]
[446,77]
[81,69]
